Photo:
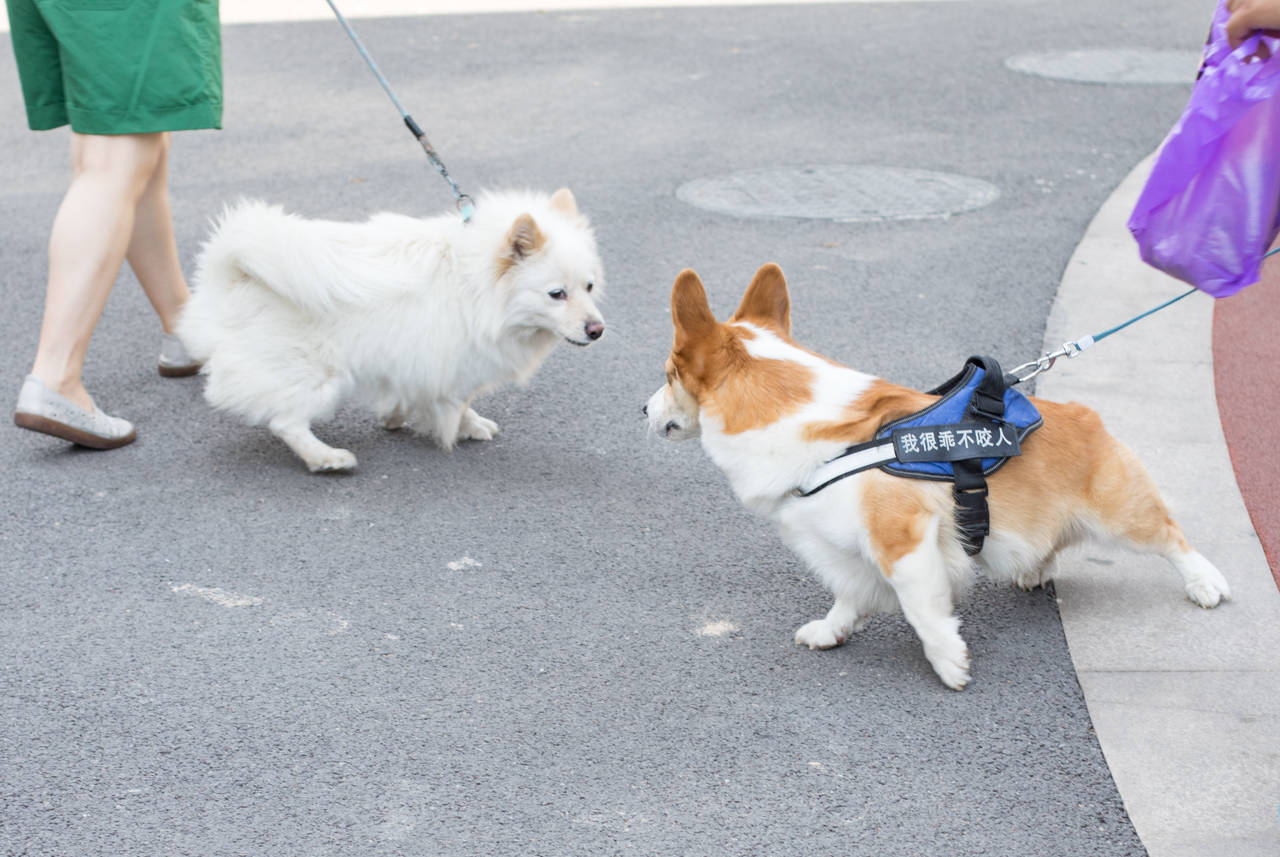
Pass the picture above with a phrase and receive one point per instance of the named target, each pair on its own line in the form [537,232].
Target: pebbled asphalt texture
[570,640]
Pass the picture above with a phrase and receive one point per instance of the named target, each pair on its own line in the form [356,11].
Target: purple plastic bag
[1211,207]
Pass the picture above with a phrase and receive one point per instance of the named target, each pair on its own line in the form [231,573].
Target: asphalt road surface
[570,640]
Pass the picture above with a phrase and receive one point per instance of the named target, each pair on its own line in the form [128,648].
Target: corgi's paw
[331,461]
[1204,584]
[950,660]
[819,634]
[1208,592]
[476,427]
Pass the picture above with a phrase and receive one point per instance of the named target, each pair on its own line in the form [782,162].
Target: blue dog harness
[968,434]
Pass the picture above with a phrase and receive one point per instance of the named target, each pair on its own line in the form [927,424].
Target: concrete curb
[1185,702]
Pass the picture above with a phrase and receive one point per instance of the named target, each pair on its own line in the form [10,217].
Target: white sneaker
[175,362]
[41,409]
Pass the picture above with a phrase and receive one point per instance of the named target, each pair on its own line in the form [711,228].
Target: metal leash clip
[1070,350]
[466,207]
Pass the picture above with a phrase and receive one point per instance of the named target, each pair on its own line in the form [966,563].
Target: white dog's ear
[766,302]
[524,238]
[563,202]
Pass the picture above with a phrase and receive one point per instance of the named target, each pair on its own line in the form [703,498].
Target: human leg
[90,236]
[153,256]
[153,252]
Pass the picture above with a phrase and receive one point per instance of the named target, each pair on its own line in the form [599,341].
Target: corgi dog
[413,317]
[770,413]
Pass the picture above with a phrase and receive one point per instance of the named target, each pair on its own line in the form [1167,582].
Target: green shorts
[119,66]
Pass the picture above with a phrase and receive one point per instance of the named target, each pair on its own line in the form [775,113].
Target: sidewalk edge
[1185,702]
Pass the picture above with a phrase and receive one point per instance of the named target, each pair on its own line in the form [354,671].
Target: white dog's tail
[314,264]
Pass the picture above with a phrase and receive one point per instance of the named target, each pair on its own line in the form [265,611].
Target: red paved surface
[1246,369]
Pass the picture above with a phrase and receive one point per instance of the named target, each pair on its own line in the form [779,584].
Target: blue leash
[1098,337]
[463,202]
[1073,348]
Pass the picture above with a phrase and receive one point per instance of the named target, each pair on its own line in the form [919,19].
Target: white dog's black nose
[594,330]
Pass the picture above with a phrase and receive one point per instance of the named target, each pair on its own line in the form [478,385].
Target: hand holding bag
[1211,206]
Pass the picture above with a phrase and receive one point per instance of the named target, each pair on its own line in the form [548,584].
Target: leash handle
[462,201]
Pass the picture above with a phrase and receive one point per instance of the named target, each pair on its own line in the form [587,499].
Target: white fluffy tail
[316,265]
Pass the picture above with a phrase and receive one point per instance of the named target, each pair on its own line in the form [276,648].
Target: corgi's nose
[594,330]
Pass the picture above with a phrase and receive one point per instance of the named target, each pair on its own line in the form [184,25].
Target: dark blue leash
[1074,347]
[463,202]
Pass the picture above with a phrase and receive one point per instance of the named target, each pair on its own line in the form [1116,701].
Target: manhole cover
[1111,66]
[841,192]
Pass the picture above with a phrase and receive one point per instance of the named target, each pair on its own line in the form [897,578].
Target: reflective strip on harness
[853,460]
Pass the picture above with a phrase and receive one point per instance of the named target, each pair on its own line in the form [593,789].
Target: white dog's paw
[1029,580]
[476,427]
[393,421]
[819,634]
[331,460]
[950,660]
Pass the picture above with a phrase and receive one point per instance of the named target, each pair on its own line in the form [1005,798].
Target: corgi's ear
[690,312]
[524,238]
[766,302]
[563,202]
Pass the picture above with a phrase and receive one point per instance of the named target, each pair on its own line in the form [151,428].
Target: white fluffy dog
[413,317]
